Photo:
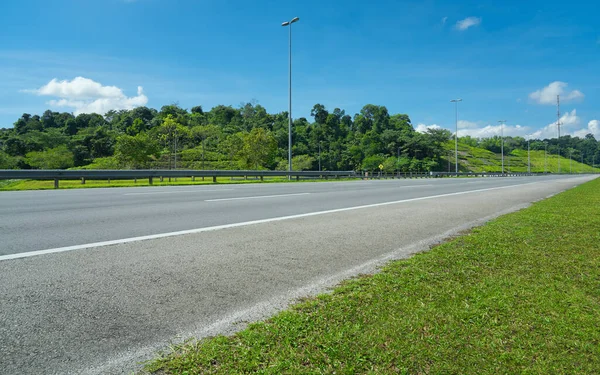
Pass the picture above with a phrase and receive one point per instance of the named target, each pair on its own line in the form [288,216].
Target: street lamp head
[455,100]
[287,23]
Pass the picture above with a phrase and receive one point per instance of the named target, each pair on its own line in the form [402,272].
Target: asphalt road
[102,309]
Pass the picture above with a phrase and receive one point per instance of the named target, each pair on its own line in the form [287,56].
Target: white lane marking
[179,192]
[255,197]
[412,186]
[243,224]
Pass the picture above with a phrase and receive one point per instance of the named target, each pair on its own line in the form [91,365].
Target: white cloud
[567,122]
[463,124]
[592,128]
[489,131]
[468,22]
[422,128]
[570,125]
[548,94]
[87,96]
[444,20]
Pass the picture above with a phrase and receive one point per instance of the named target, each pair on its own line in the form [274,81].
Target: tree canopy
[246,137]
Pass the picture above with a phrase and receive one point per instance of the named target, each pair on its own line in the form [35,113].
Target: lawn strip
[518,295]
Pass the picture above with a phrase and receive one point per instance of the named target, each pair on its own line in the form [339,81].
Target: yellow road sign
[380,166]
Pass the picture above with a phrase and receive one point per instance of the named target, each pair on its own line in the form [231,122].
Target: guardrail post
[298,178]
[214,179]
[193,178]
[262,178]
[161,178]
[109,181]
[56,183]
[135,180]
[150,180]
[83,180]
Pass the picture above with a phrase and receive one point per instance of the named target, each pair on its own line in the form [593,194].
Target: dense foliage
[243,138]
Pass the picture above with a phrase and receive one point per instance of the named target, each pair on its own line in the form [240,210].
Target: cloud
[422,128]
[463,124]
[87,96]
[592,128]
[468,22]
[548,94]
[444,20]
[489,131]
[568,121]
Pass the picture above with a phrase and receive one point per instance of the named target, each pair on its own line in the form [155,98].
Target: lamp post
[455,101]
[319,156]
[502,142]
[545,152]
[289,23]
[528,157]
[570,161]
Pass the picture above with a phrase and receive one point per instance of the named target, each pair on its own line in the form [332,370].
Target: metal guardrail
[484,174]
[151,174]
[446,174]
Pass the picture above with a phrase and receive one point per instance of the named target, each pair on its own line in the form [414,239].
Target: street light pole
[319,156]
[528,157]
[502,142]
[455,101]
[570,161]
[289,23]
[545,152]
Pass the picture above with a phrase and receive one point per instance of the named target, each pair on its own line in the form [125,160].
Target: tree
[259,149]
[172,135]
[55,158]
[371,163]
[7,161]
[136,151]
[299,163]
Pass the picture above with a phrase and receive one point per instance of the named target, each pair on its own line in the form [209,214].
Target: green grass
[476,159]
[520,295]
[6,185]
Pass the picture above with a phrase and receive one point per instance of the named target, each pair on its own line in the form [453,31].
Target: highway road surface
[94,281]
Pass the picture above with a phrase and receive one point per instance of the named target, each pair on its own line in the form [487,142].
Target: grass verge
[10,185]
[518,295]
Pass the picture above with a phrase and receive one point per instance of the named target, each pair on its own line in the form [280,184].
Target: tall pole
[502,142]
[545,153]
[290,110]
[558,127]
[319,156]
[455,101]
[296,19]
[175,148]
[570,161]
[528,157]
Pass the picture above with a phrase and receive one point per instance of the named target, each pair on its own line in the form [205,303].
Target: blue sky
[411,56]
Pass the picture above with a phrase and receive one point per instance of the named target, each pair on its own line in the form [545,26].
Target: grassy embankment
[470,159]
[476,159]
[518,295]
[76,184]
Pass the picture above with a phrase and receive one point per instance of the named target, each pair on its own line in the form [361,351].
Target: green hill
[474,159]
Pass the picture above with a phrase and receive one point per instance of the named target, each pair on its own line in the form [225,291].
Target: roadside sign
[381,166]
